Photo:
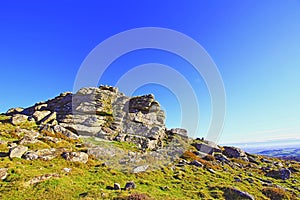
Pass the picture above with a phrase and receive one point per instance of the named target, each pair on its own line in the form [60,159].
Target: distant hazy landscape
[288,149]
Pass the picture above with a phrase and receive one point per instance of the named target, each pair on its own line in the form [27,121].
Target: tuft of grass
[128,146]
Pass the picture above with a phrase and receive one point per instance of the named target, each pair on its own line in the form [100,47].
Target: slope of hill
[100,144]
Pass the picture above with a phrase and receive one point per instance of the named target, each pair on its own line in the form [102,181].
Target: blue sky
[255,45]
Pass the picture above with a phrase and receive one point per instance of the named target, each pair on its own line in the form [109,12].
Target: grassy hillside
[95,180]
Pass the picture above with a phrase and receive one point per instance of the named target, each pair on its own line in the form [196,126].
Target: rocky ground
[101,144]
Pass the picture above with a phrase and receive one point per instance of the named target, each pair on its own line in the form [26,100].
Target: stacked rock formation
[101,112]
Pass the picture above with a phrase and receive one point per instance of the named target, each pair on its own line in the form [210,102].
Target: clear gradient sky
[255,44]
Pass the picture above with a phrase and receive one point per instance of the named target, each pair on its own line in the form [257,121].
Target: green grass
[127,146]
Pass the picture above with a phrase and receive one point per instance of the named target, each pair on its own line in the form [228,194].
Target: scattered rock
[182,163]
[49,118]
[237,179]
[13,111]
[283,174]
[30,137]
[17,152]
[139,169]
[64,131]
[269,182]
[18,119]
[141,142]
[117,186]
[253,160]
[55,129]
[130,185]
[196,163]
[178,131]
[3,173]
[40,115]
[200,154]
[84,194]
[220,157]
[233,193]
[43,154]
[207,148]
[51,139]
[265,160]
[67,170]
[76,156]
[233,152]
[278,164]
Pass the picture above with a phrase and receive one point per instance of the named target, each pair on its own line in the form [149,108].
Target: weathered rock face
[101,112]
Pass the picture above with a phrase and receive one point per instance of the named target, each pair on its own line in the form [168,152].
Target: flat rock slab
[17,152]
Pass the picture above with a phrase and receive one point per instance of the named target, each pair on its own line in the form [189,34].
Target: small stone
[233,193]
[278,164]
[183,162]
[196,163]
[3,173]
[76,156]
[237,179]
[130,185]
[139,169]
[117,186]
[30,155]
[220,157]
[67,170]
